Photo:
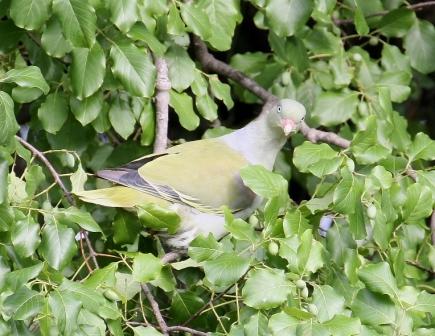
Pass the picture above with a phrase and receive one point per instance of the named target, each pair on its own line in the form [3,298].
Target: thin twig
[163,85]
[91,250]
[156,309]
[211,64]
[414,7]
[49,166]
[170,257]
[188,330]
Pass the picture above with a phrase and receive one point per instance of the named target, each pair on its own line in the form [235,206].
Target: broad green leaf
[418,204]
[141,33]
[30,14]
[25,95]
[366,145]
[420,46]
[184,305]
[318,159]
[379,278]
[88,109]
[289,50]
[146,267]
[87,70]
[295,223]
[398,83]
[342,72]
[175,24]
[221,91]
[266,289]
[134,69]
[53,41]
[181,67]
[25,237]
[148,124]
[262,181]
[257,325]
[183,106]
[397,22]
[205,248]
[78,20]
[121,117]
[347,193]
[206,107]
[126,228]
[145,331]
[225,269]
[427,179]
[320,40]
[283,324]
[425,303]
[335,108]
[65,309]
[102,277]
[123,13]
[240,230]
[342,325]
[360,22]
[23,304]
[8,124]
[10,35]
[82,218]
[126,286]
[78,179]
[373,309]
[196,20]
[28,77]
[393,59]
[4,171]
[422,147]
[223,16]
[58,245]
[53,112]
[18,278]
[158,218]
[287,17]
[379,178]
[328,302]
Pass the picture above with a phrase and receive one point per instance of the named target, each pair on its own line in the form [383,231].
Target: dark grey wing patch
[136,164]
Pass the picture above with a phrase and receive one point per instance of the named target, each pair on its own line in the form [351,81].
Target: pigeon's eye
[279,109]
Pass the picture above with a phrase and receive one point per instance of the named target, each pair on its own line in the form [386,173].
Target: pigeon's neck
[257,141]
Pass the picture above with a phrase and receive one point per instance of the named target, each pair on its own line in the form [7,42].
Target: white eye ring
[279,109]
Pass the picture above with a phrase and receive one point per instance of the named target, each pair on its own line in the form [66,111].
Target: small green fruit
[286,78]
[273,248]
[253,220]
[111,295]
[373,41]
[300,284]
[350,165]
[357,57]
[371,211]
[304,292]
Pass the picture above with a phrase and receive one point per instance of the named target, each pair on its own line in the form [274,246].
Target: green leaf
[181,67]
[393,59]
[373,309]
[335,108]
[240,229]
[145,331]
[283,324]
[4,171]
[418,204]
[221,91]
[24,303]
[360,22]
[134,69]
[28,77]
[257,325]
[398,83]
[78,20]
[328,302]
[158,218]
[53,112]
[121,117]
[225,269]
[30,14]
[379,178]
[25,95]
[88,109]
[419,44]
[87,70]
[196,21]
[379,279]
[81,218]
[65,308]
[184,305]
[123,13]
[175,24]
[8,124]
[366,145]
[206,107]
[318,159]
[146,267]
[342,325]
[295,223]
[126,228]
[25,237]
[347,193]
[422,147]
[58,245]
[183,106]
[17,279]
[53,41]
[141,33]
[274,289]
[289,50]
[427,179]
[205,248]
[223,16]
[262,181]
[425,303]
[397,23]
[287,17]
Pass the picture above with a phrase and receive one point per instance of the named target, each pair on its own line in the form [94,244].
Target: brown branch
[188,330]
[211,64]
[163,85]
[156,309]
[170,257]
[92,253]
[49,166]
[414,7]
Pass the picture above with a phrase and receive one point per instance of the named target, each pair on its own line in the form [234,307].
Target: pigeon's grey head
[288,114]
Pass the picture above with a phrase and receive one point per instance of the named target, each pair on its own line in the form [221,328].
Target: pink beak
[288,126]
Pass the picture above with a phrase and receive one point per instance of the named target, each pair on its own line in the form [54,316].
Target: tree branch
[156,309]
[211,64]
[163,85]
[188,330]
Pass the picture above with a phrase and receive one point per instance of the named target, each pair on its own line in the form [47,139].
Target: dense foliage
[77,80]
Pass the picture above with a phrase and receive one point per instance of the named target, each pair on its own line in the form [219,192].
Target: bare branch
[170,257]
[156,309]
[163,85]
[210,63]
[188,330]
